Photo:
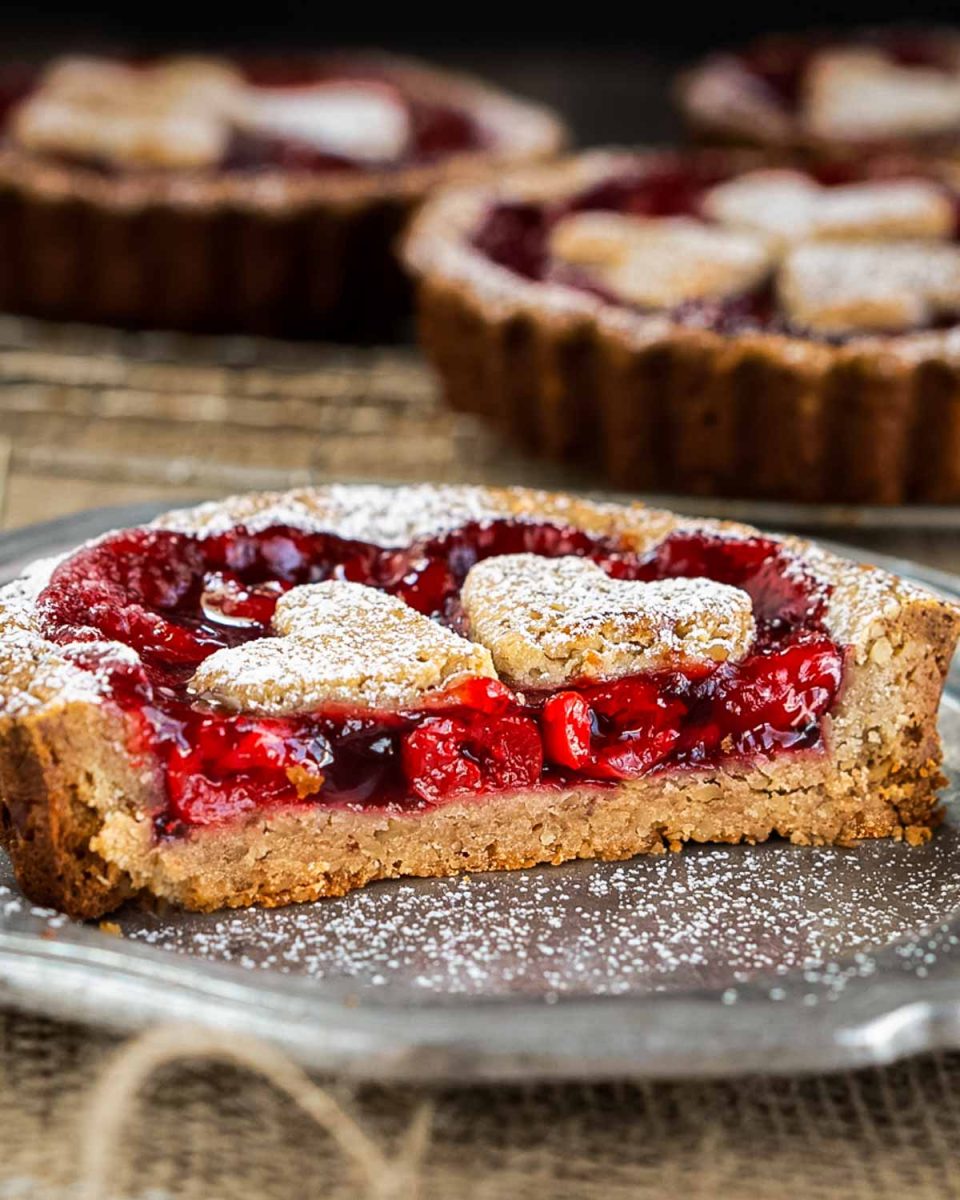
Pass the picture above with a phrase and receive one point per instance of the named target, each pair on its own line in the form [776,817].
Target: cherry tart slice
[707,323]
[884,90]
[282,697]
[222,194]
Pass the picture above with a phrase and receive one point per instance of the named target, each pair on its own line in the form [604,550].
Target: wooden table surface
[92,417]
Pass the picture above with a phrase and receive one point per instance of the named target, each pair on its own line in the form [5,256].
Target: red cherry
[483,695]
[785,689]
[435,761]
[634,753]
[427,586]
[125,678]
[612,731]
[446,755]
[197,800]
[226,597]
[510,750]
[568,730]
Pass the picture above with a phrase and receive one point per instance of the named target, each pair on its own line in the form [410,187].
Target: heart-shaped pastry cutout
[552,621]
[862,94]
[362,121]
[837,288]
[340,643]
[792,207]
[660,262]
[172,115]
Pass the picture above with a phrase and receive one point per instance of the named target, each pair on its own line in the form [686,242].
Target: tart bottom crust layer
[78,810]
[655,406]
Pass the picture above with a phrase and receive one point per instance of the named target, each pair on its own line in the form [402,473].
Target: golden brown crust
[657,406]
[79,804]
[58,769]
[301,855]
[279,253]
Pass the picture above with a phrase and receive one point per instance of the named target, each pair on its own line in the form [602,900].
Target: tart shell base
[690,411]
[79,829]
[275,250]
[316,270]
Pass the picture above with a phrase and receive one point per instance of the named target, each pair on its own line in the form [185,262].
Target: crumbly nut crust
[340,643]
[211,250]
[860,94]
[173,115]
[791,207]
[78,807]
[659,406]
[660,262]
[842,288]
[179,114]
[550,621]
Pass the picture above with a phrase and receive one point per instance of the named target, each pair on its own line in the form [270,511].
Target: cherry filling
[175,598]
[516,234]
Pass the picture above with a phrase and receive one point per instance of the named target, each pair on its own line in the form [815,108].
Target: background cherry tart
[258,195]
[703,322]
[831,96]
[282,697]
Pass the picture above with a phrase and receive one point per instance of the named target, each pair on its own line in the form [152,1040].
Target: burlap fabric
[204,1130]
[92,418]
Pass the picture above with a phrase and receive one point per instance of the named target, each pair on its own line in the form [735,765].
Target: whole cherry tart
[828,96]
[222,194]
[283,697]
[704,322]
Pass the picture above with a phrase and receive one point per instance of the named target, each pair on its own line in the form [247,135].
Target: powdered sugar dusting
[547,621]
[383,516]
[36,671]
[658,262]
[803,923]
[344,643]
[860,93]
[791,206]
[843,287]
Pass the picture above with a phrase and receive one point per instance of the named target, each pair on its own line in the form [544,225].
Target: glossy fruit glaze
[175,598]
[438,129]
[515,234]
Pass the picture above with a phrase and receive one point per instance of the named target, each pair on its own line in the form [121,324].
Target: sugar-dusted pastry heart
[170,115]
[661,262]
[793,207]
[863,94]
[550,621]
[365,121]
[340,643]
[842,287]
